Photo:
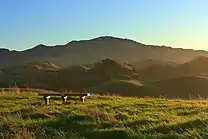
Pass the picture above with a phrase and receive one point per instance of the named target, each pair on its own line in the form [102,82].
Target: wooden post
[63,99]
[46,99]
[82,98]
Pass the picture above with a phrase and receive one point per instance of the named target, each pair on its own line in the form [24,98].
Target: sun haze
[178,23]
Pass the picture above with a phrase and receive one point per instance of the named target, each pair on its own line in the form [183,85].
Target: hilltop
[94,50]
[101,117]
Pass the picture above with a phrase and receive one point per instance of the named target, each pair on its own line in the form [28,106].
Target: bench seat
[64,96]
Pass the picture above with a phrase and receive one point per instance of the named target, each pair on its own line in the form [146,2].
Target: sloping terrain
[94,50]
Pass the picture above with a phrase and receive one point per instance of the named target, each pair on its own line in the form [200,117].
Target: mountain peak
[106,38]
[98,39]
[40,46]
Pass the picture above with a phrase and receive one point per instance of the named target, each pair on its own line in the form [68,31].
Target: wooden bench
[64,96]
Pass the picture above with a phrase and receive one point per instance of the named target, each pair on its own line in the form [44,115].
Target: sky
[176,23]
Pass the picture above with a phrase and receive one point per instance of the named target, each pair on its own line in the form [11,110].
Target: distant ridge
[96,49]
[101,38]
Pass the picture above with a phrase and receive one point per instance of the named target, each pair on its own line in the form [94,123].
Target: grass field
[24,116]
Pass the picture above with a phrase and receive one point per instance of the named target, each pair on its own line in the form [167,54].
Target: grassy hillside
[102,117]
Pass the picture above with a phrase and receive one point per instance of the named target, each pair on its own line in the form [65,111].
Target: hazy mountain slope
[182,87]
[152,70]
[82,77]
[144,64]
[158,72]
[90,51]
[197,66]
[113,77]
[29,75]
[119,87]
[78,78]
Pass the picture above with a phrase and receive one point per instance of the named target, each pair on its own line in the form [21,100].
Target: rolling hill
[156,79]
[94,50]
[152,70]
[78,78]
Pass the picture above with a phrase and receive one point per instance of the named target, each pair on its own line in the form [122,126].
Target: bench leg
[63,99]
[82,98]
[47,98]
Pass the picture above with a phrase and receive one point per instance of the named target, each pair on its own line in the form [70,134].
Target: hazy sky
[176,23]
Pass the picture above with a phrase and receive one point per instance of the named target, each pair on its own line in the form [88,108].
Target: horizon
[176,24]
[54,45]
